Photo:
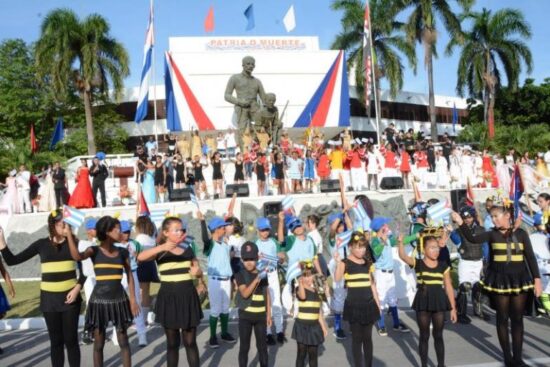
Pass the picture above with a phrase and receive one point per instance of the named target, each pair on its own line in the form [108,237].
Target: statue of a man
[247,88]
[268,118]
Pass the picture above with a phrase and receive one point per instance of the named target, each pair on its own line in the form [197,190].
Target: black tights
[63,332]
[245,334]
[437,319]
[173,343]
[99,343]
[361,344]
[306,351]
[510,307]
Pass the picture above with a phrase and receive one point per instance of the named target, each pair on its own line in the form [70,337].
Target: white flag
[289,20]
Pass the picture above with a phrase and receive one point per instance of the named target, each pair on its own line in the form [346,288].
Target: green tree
[80,56]
[492,37]
[387,42]
[421,26]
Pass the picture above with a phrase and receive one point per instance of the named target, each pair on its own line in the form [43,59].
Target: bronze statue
[268,118]
[248,89]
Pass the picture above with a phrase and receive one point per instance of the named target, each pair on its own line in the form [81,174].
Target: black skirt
[431,298]
[260,173]
[147,272]
[364,312]
[178,306]
[108,305]
[496,282]
[308,333]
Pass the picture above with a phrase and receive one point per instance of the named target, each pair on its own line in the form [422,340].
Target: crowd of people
[503,264]
[284,168]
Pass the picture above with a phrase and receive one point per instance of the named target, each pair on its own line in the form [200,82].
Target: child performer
[4,304]
[59,290]
[219,277]
[434,295]
[310,328]
[361,308]
[254,305]
[178,308]
[511,274]
[108,302]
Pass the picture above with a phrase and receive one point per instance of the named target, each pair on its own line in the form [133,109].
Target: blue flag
[455,117]
[58,133]
[249,14]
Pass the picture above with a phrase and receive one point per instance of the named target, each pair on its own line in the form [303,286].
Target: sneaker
[281,338]
[339,334]
[213,343]
[142,340]
[402,328]
[270,340]
[382,331]
[228,338]
[464,319]
[85,338]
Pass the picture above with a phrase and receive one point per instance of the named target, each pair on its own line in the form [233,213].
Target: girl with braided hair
[511,274]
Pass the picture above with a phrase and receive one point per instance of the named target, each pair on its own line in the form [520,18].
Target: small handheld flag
[249,14]
[267,263]
[287,203]
[439,213]
[72,216]
[293,272]
[342,239]
[158,215]
[194,200]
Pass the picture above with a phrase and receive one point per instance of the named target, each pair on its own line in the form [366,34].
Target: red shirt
[390,160]
[405,162]
[355,159]
[421,159]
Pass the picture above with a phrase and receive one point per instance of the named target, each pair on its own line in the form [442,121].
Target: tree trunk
[89,122]
[431,98]
[491,114]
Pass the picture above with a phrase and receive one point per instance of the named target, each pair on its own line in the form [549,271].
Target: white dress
[442,172]
[47,194]
[372,164]
[467,171]
[503,174]
[455,171]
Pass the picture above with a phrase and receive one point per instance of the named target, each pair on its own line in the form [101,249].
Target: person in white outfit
[455,170]
[88,269]
[373,167]
[24,189]
[441,170]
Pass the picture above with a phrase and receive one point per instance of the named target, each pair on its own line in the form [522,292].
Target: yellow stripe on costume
[357,284]
[502,258]
[255,309]
[108,266]
[175,265]
[108,277]
[430,274]
[58,286]
[175,277]
[437,282]
[504,246]
[308,316]
[58,266]
[309,304]
[356,276]
[257,297]
[507,290]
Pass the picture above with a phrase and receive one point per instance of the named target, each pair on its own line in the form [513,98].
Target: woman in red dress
[405,166]
[82,196]
[323,165]
[489,173]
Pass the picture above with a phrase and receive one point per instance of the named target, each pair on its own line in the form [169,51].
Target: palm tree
[421,27]
[74,55]
[492,38]
[386,39]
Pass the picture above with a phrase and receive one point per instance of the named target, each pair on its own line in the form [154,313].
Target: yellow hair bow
[53,213]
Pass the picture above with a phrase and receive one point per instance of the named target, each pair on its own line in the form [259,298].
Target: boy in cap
[381,246]
[88,269]
[219,276]
[253,301]
[271,247]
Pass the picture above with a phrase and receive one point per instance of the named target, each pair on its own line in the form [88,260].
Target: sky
[128,20]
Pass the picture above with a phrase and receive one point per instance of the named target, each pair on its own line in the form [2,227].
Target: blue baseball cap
[263,223]
[216,223]
[91,223]
[292,222]
[378,223]
[334,216]
[125,226]
[537,219]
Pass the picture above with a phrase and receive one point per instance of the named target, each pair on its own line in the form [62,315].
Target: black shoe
[464,319]
[402,328]
[270,340]
[339,334]
[228,338]
[213,343]
[86,338]
[281,338]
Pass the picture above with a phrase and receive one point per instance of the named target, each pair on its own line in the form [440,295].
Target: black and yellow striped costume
[430,294]
[360,306]
[253,308]
[178,305]
[59,274]
[307,329]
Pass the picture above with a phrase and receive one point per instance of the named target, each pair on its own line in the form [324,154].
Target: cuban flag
[72,216]
[329,105]
[342,239]
[516,190]
[267,263]
[182,106]
[361,219]
[439,213]
[143,99]
[157,216]
[287,203]
[194,200]
[527,219]
[293,272]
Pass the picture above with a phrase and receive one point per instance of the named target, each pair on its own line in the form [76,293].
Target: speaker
[271,211]
[391,183]
[330,185]
[458,198]
[181,194]
[241,190]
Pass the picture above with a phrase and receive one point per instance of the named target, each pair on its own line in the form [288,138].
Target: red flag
[367,56]
[34,144]
[209,21]
[469,194]
[143,209]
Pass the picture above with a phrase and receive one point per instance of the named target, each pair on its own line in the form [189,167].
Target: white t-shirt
[145,241]
[317,239]
[87,265]
[236,242]
[230,140]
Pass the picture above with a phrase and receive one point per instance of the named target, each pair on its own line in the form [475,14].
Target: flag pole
[154,76]
[376,109]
